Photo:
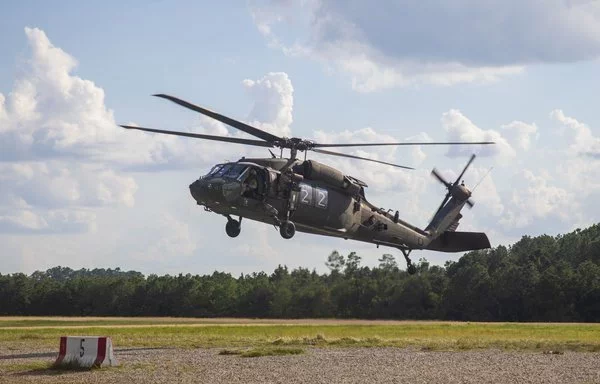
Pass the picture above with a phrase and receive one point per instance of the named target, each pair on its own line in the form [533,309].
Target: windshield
[214,170]
[234,171]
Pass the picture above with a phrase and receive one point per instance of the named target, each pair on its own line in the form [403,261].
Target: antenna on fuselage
[484,176]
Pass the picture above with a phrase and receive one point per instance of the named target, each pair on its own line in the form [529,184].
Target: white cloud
[485,193]
[56,184]
[461,128]
[366,135]
[584,142]
[61,150]
[260,248]
[273,103]
[400,43]
[170,237]
[52,113]
[538,199]
[53,221]
[521,132]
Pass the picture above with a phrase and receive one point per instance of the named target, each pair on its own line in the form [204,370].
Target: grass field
[19,333]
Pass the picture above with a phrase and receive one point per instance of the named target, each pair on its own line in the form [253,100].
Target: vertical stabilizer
[447,216]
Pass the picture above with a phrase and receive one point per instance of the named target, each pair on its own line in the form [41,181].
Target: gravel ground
[331,365]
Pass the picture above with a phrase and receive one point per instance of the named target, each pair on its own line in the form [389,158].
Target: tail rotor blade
[464,169]
[440,178]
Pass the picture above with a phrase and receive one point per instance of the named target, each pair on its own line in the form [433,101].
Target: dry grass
[224,333]
[263,351]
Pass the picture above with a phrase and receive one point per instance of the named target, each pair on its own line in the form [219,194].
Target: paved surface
[329,365]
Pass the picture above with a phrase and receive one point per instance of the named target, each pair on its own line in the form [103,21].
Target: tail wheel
[233,228]
[287,229]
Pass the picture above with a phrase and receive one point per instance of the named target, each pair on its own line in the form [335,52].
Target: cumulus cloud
[55,184]
[54,221]
[62,152]
[521,132]
[273,97]
[365,135]
[399,43]
[53,168]
[538,199]
[53,113]
[583,140]
[172,237]
[578,163]
[460,128]
[485,192]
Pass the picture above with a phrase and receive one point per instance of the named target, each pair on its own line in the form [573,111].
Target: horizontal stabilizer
[459,242]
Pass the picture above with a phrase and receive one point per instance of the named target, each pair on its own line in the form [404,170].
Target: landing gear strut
[410,268]
[233,227]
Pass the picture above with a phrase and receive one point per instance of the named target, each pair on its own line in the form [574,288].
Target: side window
[321,197]
[235,171]
[306,194]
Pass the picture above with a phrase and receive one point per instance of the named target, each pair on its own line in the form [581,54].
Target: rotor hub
[295,143]
[461,192]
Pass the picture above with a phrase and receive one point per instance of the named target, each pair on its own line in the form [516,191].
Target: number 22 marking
[322,197]
[304,197]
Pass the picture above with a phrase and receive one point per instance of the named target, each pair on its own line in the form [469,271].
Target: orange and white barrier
[86,351]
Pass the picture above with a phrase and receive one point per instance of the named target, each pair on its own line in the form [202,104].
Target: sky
[78,191]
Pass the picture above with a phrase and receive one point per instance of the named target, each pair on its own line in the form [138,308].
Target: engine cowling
[314,170]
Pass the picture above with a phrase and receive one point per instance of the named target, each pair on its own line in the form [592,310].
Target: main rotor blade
[257,143]
[317,145]
[224,119]
[358,158]
[465,169]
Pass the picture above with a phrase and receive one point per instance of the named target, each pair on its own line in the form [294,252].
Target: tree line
[540,278]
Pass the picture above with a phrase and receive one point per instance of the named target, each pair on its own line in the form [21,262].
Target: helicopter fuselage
[330,205]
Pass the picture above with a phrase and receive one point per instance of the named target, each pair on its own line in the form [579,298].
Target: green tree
[335,262]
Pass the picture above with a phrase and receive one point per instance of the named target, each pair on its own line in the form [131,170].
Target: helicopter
[311,197]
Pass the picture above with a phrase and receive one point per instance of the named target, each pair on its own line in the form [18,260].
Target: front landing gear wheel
[233,228]
[287,229]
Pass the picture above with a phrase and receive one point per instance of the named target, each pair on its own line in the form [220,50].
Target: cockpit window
[235,170]
[222,170]
[214,169]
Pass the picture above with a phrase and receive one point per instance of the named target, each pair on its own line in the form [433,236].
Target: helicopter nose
[195,190]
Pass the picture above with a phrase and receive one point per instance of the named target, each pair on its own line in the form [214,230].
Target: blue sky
[77,191]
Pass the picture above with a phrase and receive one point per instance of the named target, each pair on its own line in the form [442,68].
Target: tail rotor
[453,188]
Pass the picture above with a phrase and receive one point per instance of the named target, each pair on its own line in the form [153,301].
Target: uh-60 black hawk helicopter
[312,197]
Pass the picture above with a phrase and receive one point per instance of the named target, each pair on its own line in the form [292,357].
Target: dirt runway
[317,365]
